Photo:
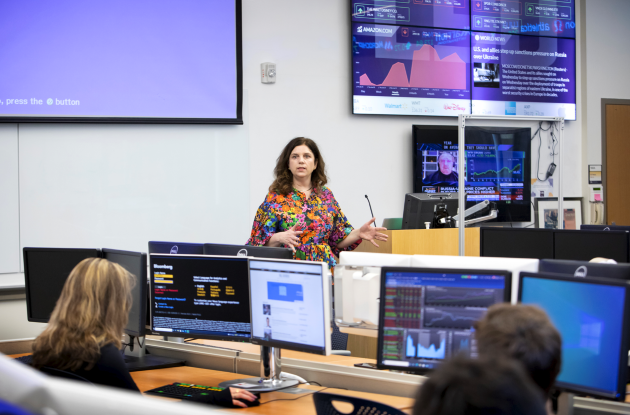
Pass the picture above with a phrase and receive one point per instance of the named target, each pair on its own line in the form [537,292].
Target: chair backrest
[63,374]
[339,340]
[324,405]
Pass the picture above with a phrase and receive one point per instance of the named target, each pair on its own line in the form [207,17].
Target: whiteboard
[119,186]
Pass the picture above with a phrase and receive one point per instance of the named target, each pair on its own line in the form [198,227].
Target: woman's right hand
[287,238]
[239,395]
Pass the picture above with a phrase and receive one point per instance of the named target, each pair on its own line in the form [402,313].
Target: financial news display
[497,166]
[144,59]
[287,304]
[450,57]
[428,316]
[530,17]
[200,296]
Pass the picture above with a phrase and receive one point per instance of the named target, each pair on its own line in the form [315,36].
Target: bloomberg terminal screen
[429,316]
[200,296]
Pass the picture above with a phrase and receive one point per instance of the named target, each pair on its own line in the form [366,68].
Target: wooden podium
[425,242]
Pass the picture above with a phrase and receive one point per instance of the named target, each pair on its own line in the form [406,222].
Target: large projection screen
[158,61]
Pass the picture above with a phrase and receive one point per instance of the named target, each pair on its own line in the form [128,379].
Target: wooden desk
[309,357]
[299,404]
[426,242]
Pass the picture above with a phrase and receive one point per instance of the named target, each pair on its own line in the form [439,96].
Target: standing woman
[301,213]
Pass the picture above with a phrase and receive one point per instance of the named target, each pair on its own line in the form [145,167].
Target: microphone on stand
[368,199]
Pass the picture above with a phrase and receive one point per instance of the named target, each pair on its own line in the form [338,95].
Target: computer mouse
[250,404]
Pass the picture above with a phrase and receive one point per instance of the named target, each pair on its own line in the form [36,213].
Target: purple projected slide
[393,66]
[141,58]
[531,17]
[448,14]
[523,75]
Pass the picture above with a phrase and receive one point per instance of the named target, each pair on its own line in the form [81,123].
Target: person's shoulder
[325,191]
[109,353]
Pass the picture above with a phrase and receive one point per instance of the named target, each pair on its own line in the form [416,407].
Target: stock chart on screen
[428,315]
[417,71]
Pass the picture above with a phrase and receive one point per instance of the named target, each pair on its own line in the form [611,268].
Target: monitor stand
[142,360]
[270,374]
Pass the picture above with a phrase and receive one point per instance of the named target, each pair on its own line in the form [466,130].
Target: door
[616,152]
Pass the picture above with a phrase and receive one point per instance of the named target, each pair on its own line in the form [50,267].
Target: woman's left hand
[371,233]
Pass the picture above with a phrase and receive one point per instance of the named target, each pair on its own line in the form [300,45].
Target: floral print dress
[319,217]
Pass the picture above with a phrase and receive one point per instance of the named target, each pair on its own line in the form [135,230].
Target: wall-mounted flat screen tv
[421,57]
[497,168]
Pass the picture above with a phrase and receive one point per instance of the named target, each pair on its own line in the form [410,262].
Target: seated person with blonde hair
[84,333]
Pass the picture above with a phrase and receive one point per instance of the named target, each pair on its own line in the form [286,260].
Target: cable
[295,399]
[538,133]
[142,345]
[310,382]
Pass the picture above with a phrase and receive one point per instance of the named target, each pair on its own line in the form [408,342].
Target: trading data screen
[200,296]
[287,301]
[590,318]
[496,168]
[412,71]
[428,316]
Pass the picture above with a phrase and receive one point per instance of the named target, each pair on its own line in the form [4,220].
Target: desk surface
[252,348]
[298,403]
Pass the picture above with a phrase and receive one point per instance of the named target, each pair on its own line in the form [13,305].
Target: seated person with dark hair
[523,333]
[445,174]
[494,386]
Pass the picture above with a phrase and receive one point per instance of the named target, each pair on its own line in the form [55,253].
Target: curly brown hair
[283,178]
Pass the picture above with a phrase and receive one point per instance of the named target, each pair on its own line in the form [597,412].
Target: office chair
[339,340]
[51,371]
[324,405]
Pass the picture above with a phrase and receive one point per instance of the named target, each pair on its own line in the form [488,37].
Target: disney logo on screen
[370,29]
[454,107]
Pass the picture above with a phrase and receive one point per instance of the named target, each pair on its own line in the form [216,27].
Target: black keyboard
[25,359]
[183,390]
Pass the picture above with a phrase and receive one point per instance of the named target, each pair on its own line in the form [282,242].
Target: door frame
[607,101]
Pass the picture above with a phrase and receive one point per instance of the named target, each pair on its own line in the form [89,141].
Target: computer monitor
[290,305]
[427,314]
[604,228]
[517,243]
[247,250]
[514,265]
[182,248]
[586,245]
[585,269]
[420,208]
[136,264]
[358,286]
[45,273]
[591,315]
[205,297]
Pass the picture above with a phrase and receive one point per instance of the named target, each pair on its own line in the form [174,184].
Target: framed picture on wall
[546,212]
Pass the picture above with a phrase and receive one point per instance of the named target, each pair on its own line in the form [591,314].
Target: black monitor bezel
[507,293]
[140,283]
[625,336]
[27,282]
[297,347]
[243,339]
[275,252]
[152,251]
[570,263]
